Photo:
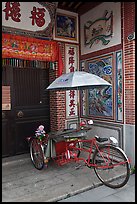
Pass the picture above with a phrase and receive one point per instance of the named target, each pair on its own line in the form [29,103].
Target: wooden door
[29,108]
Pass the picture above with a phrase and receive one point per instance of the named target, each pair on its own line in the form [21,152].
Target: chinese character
[71,68]
[72,103]
[72,112]
[71,60]
[72,94]
[12,10]
[38,16]
[71,51]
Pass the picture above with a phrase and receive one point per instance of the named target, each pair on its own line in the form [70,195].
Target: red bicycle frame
[70,147]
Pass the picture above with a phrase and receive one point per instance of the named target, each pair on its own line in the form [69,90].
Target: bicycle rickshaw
[109,161]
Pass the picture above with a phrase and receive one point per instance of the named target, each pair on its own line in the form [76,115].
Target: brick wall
[129,61]
[57,110]
[128,27]
[57,100]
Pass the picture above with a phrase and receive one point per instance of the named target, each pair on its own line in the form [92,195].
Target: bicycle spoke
[113,171]
[36,154]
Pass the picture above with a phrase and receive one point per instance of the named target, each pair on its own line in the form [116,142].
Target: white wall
[96,13]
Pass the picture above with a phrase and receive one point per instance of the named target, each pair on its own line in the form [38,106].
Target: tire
[115,176]
[36,154]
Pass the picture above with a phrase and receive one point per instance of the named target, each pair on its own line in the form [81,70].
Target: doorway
[29,107]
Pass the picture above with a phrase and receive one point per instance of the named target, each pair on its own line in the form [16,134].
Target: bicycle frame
[67,147]
[89,150]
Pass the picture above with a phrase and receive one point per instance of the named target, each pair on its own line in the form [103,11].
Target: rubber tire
[36,155]
[124,157]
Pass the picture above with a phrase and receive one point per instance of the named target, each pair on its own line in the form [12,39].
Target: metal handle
[20,114]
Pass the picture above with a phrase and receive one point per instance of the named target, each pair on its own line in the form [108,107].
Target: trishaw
[109,161]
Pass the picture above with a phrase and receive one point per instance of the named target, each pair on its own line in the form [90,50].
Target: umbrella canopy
[77,80]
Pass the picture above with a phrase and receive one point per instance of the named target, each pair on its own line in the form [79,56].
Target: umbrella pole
[78,109]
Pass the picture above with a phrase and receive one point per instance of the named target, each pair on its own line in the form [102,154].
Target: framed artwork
[66,26]
[82,65]
[119,86]
[100,27]
[83,94]
[100,100]
[83,101]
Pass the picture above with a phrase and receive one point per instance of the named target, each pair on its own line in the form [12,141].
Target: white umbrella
[77,80]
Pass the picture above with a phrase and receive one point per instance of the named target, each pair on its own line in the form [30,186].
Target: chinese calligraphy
[12,10]
[71,65]
[38,16]
[71,53]
[72,104]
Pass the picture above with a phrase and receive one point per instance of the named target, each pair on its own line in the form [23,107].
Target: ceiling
[70,5]
[76,6]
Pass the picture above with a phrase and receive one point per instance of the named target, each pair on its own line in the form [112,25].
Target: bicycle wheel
[112,166]
[36,154]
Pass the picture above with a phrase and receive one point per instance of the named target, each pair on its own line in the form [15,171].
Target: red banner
[60,62]
[14,46]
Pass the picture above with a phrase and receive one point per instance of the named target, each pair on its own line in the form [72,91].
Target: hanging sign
[28,48]
[6,99]
[30,18]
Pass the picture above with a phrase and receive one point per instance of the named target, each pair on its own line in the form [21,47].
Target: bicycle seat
[101,139]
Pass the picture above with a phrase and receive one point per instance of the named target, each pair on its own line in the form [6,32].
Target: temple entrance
[29,107]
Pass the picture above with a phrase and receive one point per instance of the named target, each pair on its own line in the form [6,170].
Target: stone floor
[22,182]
